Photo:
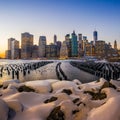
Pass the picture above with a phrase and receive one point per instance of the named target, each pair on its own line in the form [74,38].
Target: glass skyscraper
[74,45]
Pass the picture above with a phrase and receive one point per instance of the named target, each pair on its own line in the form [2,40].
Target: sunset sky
[49,17]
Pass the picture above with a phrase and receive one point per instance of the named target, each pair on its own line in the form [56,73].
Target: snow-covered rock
[39,86]
[67,100]
[107,111]
[15,105]
[7,82]
[3,110]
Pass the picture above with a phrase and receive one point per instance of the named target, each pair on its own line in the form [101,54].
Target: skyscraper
[55,39]
[15,50]
[68,43]
[42,46]
[74,45]
[79,37]
[80,45]
[26,45]
[8,55]
[115,45]
[95,36]
[64,50]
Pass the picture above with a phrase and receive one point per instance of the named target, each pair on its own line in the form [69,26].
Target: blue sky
[49,17]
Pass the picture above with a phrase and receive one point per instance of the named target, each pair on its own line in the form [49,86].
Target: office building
[74,45]
[69,45]
[13,51]
[15,54]
[58,48]
[42,46]
[100,48]
[55,39]
[8,52]
[64,51]
[80,46]
[26,45]
[95,36]
[115,45]
[51,51]
[35,53]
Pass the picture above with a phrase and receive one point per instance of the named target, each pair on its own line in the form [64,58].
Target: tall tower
[68,43]
[42,46]
[80,44]
[79,37]
[74,45]
[26,45]
[95,36]
[15,50]
[115,45]
[55,39]
[9,51]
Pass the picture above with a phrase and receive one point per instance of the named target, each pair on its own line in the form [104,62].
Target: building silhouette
[51,51]
[26,45]
[13,51]
[55,39]
[95,36]
[69,44]
[64,51]
[74,45]
[42,46]
[115,45]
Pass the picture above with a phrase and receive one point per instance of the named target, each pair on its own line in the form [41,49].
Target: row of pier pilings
[15,70]
[106,70]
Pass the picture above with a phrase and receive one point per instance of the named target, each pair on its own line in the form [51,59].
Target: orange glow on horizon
[2,55]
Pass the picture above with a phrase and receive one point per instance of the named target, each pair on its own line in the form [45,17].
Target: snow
[75,73]
[75,106]
[108,111]
[63,84]
[39,86]
[3,110]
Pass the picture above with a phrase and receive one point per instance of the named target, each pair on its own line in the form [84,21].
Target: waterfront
[27,70]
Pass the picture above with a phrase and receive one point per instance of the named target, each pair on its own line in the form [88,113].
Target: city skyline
[45,17]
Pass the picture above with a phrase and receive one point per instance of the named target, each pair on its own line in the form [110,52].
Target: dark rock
[75,111]
[11,114]
[76,100]
[5,87]
[25,89]
[50,100]
[56,114]
[51,90]
[1,86]
[108,84]
[67,91]
[96,96]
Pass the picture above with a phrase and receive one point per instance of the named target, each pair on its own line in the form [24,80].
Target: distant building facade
[115,45]
[95,36]
[15,54]
[51,51]
[74,45]
[42,46]
[55,39]
[69,45]
[100,48]
[26,45]
[13,51]
[35,52]
[64,50]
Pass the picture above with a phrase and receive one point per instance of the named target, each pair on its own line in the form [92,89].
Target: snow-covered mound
[60,100]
